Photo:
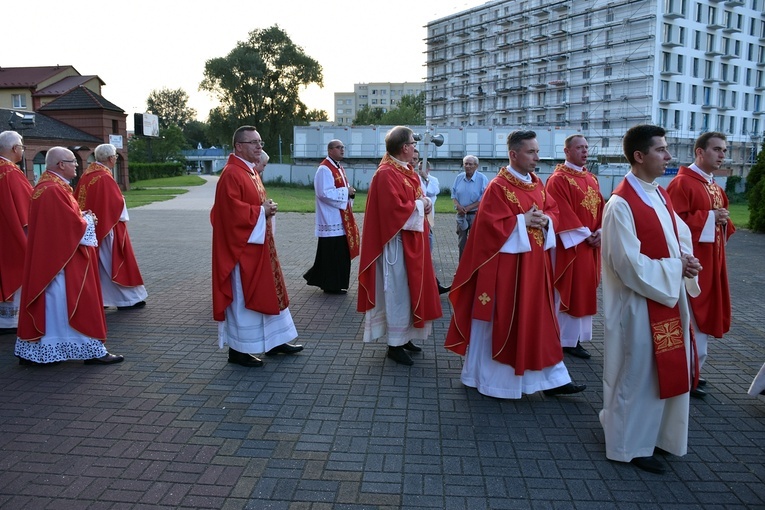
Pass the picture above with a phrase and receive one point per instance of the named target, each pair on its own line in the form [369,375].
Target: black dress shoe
[702,382]
[285,349]
[650,464]
[244,359]
[578,351]
[399,355]
[566,389]
[698,393]
[412,347]
[106,359]
[443,290]
[136,306]
[335,291]
[27,362]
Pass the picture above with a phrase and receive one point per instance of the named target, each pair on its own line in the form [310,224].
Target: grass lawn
[159,190]
[739,214]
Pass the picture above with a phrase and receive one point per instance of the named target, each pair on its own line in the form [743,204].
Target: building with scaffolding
[600,67]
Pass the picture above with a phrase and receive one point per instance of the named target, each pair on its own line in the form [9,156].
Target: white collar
[524,178]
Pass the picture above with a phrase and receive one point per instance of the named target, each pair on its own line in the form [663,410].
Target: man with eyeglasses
[397,286]
[250,299]
[61,316]
[97,191]
[335,224]
[15,197]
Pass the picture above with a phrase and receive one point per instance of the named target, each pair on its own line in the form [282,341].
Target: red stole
[390,203]
[515,291]
[15,197]
[349,222]
[665,322]
[97,191]
[238,199]
[56,227]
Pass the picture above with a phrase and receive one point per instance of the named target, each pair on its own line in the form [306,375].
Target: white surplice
[634,418]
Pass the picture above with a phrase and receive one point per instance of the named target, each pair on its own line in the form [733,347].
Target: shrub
[143,171]
[757,207]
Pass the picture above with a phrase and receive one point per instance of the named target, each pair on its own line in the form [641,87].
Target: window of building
[541,119]
[744,126]
[383,101]
[664,90]
[712,15]
[588,19]
[721,122]
[748,81]
[663,117]
[604,143]
[708,69]
[722,97]
[731,124]
[733,99]
[19,100]
[607,70]
[756,126]
[609,15]
[339,101]
[705,122]
[676,120]
[692,121]
[735,74]
[707,96]
[695,68]
[680,63]
[585,94]
[710,43]
[746,101]
[606,124]
[724,72]
[757,98]
[607,92]
[698,14]
[696,40]
[694,94]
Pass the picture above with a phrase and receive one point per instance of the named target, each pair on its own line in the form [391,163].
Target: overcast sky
[141,45]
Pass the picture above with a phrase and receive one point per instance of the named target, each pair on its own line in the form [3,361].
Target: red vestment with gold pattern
[15,198]
[693,198]
[577,269]
[97,191]
[512,290]
[56,227]
[390,202]
[238,199]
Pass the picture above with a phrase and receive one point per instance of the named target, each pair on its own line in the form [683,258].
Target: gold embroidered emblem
[484,298]
[591,201]
[667,335]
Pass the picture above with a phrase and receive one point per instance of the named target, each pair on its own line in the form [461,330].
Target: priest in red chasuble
[61,316]
[397,285]
[250,299]
[97,191]
[648,272]
[576,258]
[15,197]
[703,206]
[504,314]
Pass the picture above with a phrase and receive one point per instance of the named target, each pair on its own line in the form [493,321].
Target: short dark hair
[516,139]
[703,140]
[237,138]
[396,138]
[640,138]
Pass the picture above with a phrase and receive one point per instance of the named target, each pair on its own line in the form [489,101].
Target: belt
[471,212]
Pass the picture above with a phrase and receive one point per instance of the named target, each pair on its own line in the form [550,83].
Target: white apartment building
[383,96]
[601,67]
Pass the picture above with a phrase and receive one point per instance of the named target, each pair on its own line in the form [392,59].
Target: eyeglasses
[338,147]
[256,143]
[410,143]
[23,147]
[74,161]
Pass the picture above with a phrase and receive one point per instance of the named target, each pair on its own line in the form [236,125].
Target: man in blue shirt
[466,194]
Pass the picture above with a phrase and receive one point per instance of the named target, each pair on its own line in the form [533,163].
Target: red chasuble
[577,269]
[97,191]
[56,227]
[238,198]
[515,291]
[15,197]
[693,198]
[390,203]
[349,222]
[666,325]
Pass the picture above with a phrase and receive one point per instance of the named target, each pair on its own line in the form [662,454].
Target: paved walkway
[339,426]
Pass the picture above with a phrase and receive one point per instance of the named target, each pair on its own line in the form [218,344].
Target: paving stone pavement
[339,426]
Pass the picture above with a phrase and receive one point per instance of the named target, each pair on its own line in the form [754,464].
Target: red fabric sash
[349,222]
[666,324]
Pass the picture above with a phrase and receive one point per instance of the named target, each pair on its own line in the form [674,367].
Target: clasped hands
[536,218]
[92,215]
[721,216]
[691,266]
[271,207]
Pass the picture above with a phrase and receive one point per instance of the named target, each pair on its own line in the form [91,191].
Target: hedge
[143,171]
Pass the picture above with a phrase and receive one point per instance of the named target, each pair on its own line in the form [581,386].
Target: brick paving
[339,426]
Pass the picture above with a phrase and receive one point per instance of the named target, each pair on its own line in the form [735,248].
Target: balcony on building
[734,3]
[713,52]
[675,13]
[714,24]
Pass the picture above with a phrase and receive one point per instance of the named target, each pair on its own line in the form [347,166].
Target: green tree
[258,83]
[171,106]
[167,147]
[409,112]
[197,132]
[367,116]
[755,193]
